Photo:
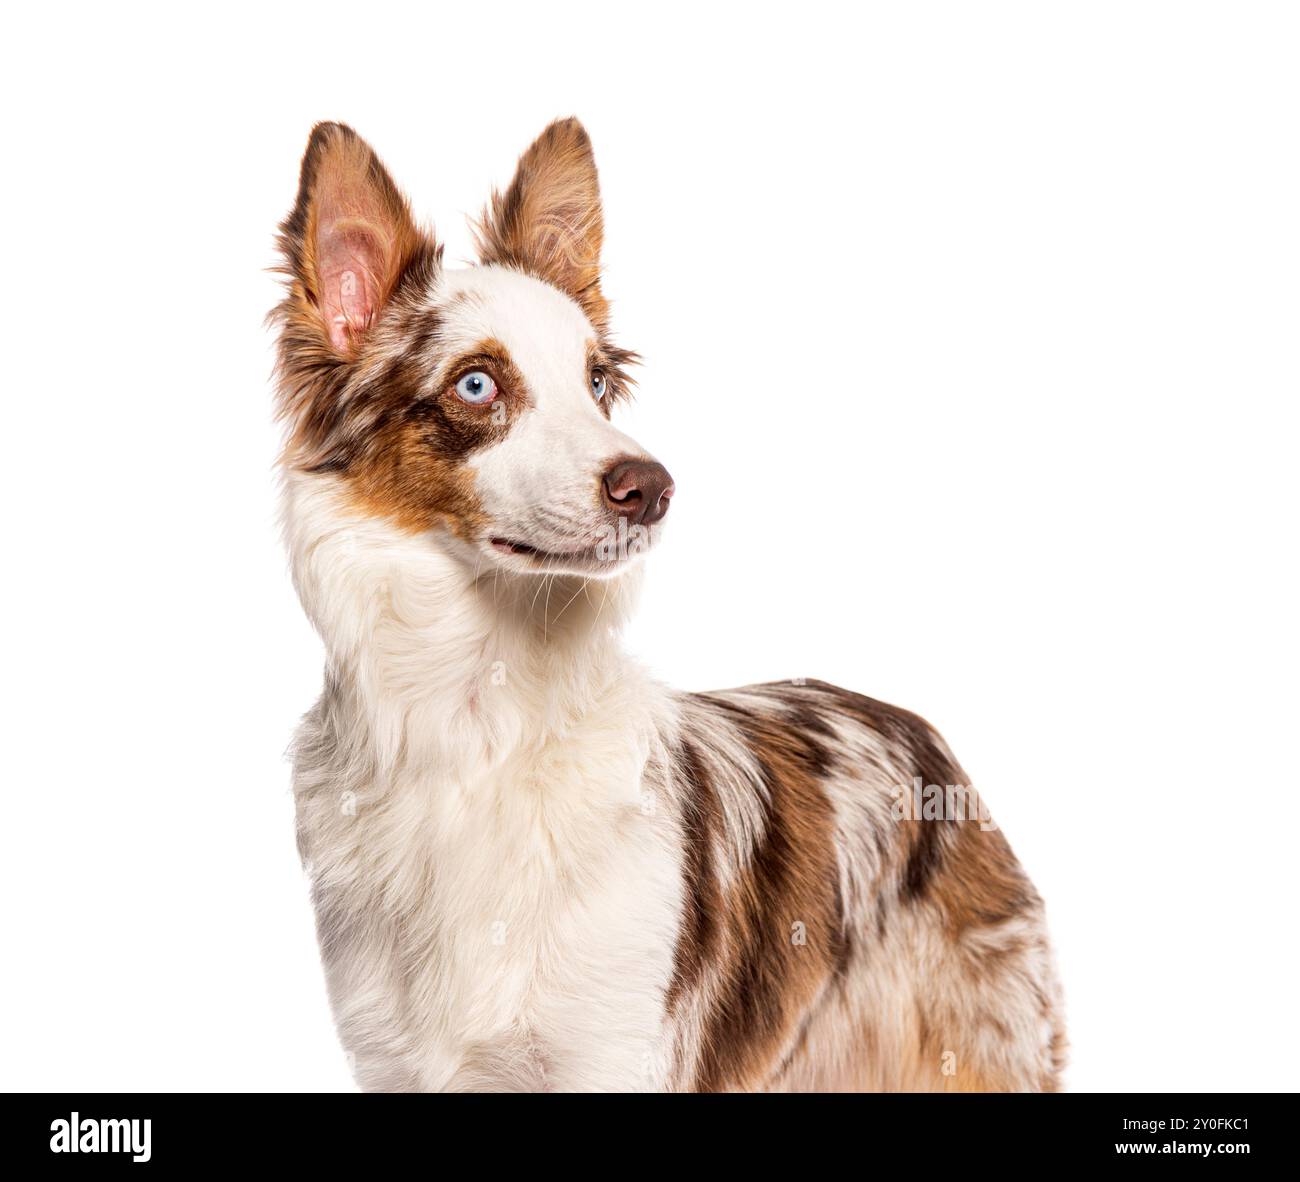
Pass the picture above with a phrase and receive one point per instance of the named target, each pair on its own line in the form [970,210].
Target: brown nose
[640,490]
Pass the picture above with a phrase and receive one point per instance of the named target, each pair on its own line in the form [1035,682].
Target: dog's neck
[434,663]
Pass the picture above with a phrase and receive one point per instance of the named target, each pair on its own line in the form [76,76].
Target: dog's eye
[598,383]
[476,388]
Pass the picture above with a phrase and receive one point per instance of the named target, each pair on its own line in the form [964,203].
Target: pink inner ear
[350,260]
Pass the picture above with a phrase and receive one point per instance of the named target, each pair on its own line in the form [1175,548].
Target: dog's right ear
[349,240]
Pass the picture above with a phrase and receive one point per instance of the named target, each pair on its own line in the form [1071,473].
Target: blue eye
[476,388]
[598,383]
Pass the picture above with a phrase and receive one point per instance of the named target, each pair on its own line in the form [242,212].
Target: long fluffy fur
[533,866]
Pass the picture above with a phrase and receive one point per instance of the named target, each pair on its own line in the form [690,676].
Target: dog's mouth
[524,550]
[600,558]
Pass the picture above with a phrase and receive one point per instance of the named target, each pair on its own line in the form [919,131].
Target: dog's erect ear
[548,222]
[350,237]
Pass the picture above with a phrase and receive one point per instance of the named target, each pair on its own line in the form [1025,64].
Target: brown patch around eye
[416,489]
[492,357]
[414,467]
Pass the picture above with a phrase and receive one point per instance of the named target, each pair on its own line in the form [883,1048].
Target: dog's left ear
[548,222]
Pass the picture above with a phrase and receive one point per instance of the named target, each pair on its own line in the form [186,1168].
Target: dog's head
[473,402]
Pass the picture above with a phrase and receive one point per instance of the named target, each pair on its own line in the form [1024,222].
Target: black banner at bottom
[1207,1133]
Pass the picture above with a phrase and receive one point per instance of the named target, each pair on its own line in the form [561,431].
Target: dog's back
[835,935]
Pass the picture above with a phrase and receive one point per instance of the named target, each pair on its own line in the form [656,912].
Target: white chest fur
[497,892]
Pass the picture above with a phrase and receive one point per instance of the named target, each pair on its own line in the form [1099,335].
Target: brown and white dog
[533,867]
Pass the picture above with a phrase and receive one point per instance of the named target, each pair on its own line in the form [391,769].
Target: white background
[970,338]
